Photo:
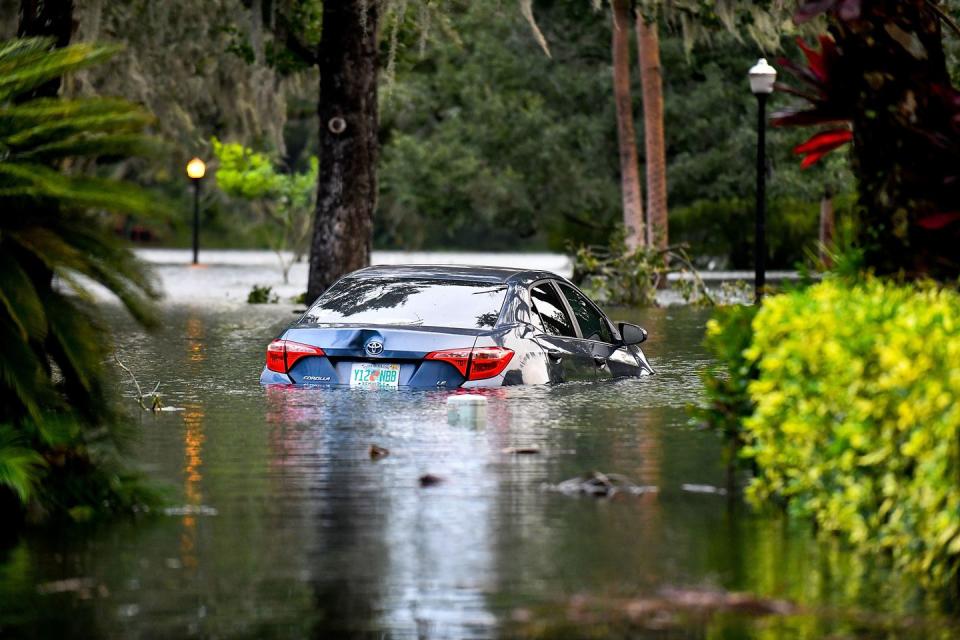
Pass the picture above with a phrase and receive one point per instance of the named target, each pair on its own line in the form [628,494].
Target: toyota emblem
[374,348]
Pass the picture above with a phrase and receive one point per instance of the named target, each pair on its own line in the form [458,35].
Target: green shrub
[728,337]
[262,295]
[615,275]
[724,229]
[857,415]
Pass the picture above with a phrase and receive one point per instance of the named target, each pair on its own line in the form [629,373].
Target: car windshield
[457,304]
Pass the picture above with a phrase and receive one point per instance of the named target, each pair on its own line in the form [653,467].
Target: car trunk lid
[345,346]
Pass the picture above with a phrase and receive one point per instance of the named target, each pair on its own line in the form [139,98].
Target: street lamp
[196,169]
[762,79]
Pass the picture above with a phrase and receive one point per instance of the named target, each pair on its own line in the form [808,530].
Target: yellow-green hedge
[857,417]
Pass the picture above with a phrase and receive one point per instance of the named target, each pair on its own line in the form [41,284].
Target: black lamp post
[196,169]
[762,79]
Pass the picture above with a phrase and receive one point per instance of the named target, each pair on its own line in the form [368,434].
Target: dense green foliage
[857,419]
[486,141]
[489,143]
[284,200]
[729,334]
[58,432]
[846,397]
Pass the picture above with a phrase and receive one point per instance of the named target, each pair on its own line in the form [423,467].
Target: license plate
[376,375]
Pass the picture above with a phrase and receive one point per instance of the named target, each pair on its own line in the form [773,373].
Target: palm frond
[77,247]
[19,297]
[53,241]
[20,467]
[24,384]
[39,182]
[46,130]
[28,63]
[79,348]
[93,145]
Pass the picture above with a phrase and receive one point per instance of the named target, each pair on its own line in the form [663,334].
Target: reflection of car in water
[449,327]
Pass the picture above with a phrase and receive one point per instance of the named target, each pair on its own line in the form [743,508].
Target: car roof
[473,273]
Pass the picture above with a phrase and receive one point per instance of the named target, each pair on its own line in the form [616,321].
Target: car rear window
[457,304]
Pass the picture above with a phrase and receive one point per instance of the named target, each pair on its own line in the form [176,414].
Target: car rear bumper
[269,378]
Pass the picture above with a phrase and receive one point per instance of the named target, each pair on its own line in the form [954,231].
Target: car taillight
[283,354]
[459,358]
[478,363]
[488,362]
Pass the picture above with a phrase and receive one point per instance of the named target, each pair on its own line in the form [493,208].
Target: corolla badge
[374,348]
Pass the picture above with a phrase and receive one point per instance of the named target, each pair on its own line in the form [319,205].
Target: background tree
[349,117]
[461,169]
[285,199]
[651,74]
[630,186]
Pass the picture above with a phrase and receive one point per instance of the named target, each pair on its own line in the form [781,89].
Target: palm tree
[58,432]
[651,76]
[631,191]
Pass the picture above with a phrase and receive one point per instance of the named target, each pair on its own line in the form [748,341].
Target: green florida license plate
[375,374]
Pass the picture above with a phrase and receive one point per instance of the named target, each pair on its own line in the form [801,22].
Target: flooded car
[449,327]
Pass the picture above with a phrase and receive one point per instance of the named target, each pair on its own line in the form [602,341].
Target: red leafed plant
[829,102]
[945,149]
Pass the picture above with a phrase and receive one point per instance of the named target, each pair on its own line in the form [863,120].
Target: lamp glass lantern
[196,169]
[762,78]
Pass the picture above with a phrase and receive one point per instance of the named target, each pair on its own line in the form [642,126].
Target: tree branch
[944,16]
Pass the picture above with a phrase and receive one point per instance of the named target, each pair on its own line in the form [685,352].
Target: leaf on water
[376,452]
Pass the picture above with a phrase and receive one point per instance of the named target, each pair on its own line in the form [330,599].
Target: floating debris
[600,485]
[706,600]
[521,451]
[671,608]
[429,480]
[468,409]
[190,510]
[704,488]
[155,403]
[376,453]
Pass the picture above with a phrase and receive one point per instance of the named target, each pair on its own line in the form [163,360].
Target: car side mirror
[632,334]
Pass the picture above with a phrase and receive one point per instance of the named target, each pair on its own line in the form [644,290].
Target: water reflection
[386,553]
[194,332]
[312,538]
[193,439]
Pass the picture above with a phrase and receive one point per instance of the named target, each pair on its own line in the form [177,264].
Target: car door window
[593,325]
[553,314]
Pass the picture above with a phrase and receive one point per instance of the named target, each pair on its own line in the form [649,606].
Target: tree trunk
[48,19]
[651,76]
[626,134]
[892,59]
[347,188]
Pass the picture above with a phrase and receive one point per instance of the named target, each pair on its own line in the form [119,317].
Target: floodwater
[283,527]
